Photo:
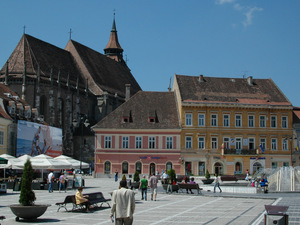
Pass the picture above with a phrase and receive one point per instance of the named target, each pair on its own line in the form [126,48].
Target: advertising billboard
[35,139]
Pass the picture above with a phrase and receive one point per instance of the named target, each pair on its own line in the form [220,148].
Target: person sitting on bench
[82,199]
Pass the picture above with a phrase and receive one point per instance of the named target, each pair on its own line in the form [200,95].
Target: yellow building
[230,125]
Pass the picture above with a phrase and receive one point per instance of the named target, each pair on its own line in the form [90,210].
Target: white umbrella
[21,161]
[11,161]
[75,163]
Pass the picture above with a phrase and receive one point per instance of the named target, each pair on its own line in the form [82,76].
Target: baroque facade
[63,85]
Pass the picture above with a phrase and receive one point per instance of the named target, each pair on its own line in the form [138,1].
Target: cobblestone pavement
[209,208]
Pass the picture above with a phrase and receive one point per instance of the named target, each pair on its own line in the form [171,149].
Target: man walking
[50,181]
[217,183]
[123,205]
[143,187]
[153,186]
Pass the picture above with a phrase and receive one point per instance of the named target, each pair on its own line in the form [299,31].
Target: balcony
[232,151]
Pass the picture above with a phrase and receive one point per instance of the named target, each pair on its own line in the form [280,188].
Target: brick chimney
[201,79]
[250,80]
[127,92]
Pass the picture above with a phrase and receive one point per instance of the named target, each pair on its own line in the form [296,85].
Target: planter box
[208,181]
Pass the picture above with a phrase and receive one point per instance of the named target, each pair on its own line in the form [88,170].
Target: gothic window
[43,106]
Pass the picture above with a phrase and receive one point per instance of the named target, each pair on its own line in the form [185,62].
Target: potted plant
[207,179]
[27,209]
[136,180]
[172,179]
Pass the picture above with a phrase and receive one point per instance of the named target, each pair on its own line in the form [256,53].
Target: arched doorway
[218,168]
[138,167]
[107,167]
[238,168]
[125,167]
[168,166]
[152,168]
[256,167]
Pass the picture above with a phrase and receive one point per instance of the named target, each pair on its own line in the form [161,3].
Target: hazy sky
[219,38]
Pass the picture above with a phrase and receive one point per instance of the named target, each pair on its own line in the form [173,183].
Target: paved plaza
[209,208]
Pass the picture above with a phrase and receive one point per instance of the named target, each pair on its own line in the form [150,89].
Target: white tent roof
[11,161]
[75,163]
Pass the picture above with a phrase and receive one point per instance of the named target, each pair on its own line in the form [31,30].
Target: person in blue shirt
[264,183]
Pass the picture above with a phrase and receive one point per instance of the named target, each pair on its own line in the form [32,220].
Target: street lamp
[81,124]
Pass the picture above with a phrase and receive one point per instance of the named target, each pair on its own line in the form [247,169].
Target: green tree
[136,176]
[27,196]
[207,175]
[123,177]
[172,174]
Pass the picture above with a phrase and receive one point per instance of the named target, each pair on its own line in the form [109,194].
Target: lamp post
[81,124]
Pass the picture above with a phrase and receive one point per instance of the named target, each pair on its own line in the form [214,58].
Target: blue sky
[219,38]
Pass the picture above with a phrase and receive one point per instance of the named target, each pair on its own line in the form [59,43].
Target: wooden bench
[229,178]
[190,187]
[94,199]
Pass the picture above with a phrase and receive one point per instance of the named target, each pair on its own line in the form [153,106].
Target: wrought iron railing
[232,151]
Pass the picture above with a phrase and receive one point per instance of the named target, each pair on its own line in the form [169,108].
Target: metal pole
[81,124]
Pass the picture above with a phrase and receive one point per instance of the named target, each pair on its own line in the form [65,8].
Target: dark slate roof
[105,73]
[230,90]
[46,55]
[161,106]
[296,115]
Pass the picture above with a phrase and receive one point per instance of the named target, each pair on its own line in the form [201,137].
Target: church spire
[113,49]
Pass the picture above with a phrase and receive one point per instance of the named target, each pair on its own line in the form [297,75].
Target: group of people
[62,181]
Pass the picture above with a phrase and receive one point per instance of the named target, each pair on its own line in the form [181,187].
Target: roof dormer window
[125,119]
[151,119]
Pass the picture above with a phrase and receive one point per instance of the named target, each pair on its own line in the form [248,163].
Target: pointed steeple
[113,49]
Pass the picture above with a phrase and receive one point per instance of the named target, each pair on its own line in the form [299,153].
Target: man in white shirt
[123,205]
[165,177]
[153,186]
[50,181]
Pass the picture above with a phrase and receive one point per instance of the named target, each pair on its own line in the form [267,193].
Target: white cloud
[221,2]
[249,15]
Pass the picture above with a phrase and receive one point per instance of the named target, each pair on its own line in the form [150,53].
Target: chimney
[250,81]
[127,92]
[201,79]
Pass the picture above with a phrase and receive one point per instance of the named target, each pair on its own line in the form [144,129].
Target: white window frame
[238,122]
[263,142]
[201,119]
[107,142]
[188,119]
[285,144]
[125,142]
[188,142]
[138,142]
[169,142]
[274,146]
[251,122]
[284,122]
[262,121]
[214,120]
[226,121]
[273,122]
[201,142]
[214,143]
[151,142]
[226,142]
[238,143]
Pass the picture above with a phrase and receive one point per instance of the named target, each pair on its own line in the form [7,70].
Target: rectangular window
[285,144]
[274,165]
[263,143]
[284,120]
[214,119]
[214,143]
[238,120]
[1,138]
[151,142]
[201,143]
[226,142]
[250,120]
[226,120]
[188,119]
[138,142]
[238,143]
[107,142]
[188,142]
[125,142]
[251,143]
[273,121]
[169,142]
[262,121]
[274,144]
[201,120]
[286,164]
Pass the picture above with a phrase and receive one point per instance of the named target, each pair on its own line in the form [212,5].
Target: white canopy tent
[11,162]
[75,163]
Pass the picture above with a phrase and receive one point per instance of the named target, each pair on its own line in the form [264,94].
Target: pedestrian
[165,177]
[247,175]
[143,187]
[153,186]
[62,182]
[116,176]
[217,183]
[123,205]
[50,181]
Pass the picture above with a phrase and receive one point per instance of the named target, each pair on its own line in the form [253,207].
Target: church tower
[113,49]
